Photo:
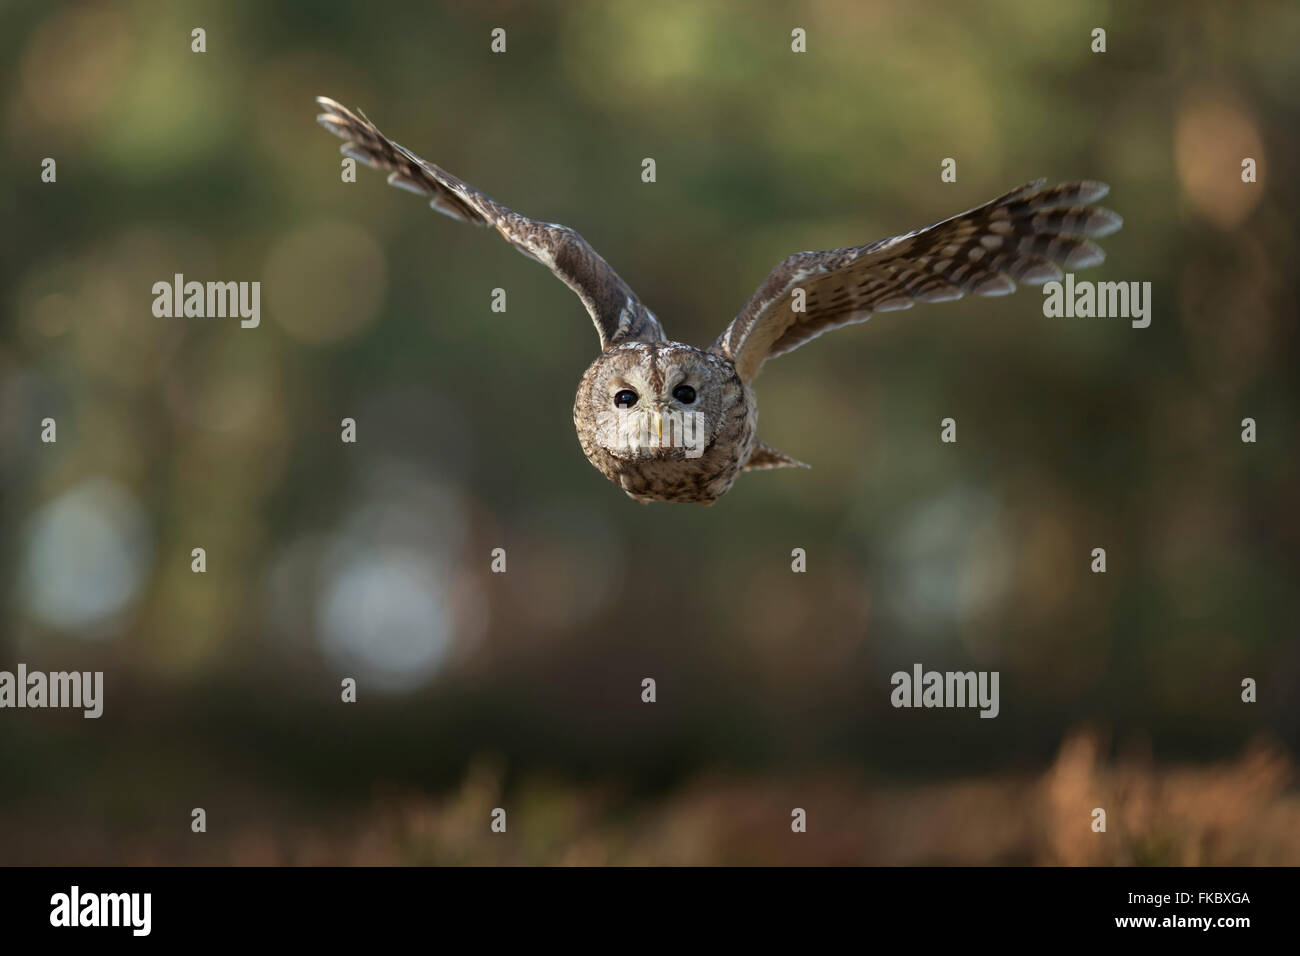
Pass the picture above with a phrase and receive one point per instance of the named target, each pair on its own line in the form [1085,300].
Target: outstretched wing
[618,314]
[1026,235]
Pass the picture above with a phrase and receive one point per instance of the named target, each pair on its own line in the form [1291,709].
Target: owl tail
[765,456]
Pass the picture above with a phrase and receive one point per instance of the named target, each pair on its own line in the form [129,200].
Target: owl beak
[659,425]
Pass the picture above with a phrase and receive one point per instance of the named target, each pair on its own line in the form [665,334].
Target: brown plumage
[1025,235]
[641,380]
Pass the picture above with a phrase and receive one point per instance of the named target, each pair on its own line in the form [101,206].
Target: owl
[670,422]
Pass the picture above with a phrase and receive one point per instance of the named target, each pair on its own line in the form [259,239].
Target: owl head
[656,401]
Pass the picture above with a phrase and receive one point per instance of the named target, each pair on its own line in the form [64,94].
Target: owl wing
[618,314]
[1026,235]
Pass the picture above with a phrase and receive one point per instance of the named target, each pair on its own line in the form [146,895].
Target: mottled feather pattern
[617,313]
[366,144]
[655,367]
[764,456]
[1027,236]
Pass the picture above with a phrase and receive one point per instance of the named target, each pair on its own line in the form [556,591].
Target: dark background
[522,690]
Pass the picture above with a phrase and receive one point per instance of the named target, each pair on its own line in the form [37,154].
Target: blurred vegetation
[327,560]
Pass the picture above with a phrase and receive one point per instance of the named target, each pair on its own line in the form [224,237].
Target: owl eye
[624,398]
[684,394]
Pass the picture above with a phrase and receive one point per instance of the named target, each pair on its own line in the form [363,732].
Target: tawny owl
[670,422]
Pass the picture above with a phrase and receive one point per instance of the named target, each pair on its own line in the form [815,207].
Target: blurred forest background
[522,690]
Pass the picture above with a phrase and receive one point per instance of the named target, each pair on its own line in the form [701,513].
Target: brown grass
[1242,811]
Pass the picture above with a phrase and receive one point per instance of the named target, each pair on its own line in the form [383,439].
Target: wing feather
[617,313]
[1027,235]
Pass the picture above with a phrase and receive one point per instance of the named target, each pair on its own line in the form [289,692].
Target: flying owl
[670,422]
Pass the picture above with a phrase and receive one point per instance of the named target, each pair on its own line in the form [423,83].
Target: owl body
[659,446]
[668,422]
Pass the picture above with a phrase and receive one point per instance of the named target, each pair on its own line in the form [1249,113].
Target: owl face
[656,401]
